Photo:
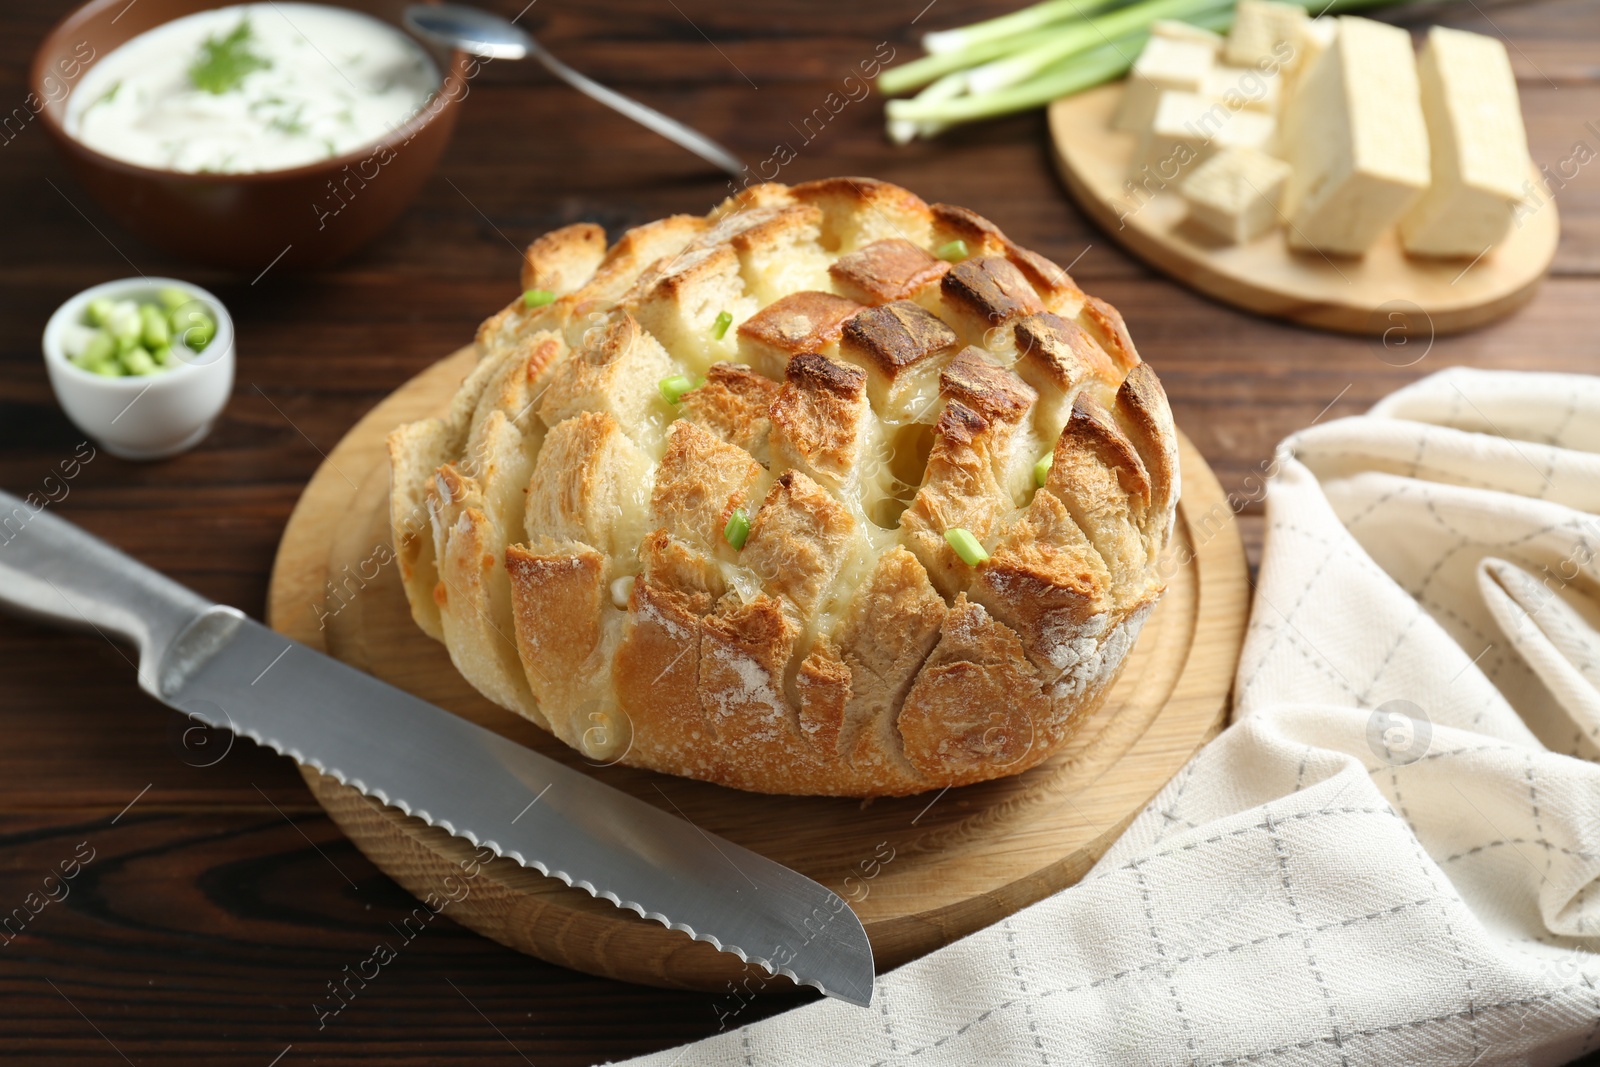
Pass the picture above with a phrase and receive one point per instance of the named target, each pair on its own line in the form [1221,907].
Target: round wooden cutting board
[920,871]
[1385,292]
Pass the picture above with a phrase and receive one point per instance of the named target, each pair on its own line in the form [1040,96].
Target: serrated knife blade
[228,671]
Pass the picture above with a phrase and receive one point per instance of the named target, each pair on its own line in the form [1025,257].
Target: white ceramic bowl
[147,416]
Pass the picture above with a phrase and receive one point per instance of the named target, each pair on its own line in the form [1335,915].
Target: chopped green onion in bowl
[1041,469]
[953,252]
[537,298]
[719,329]
[126,338]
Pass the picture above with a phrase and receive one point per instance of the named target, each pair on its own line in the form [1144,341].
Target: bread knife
[230,672]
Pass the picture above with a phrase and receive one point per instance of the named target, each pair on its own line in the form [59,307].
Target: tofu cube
[1183,31]
[1315,37]
[1188,128]
[1245,129]
[1263,31]
[1358,145]
[1245,88]
[1167,64]
[1478,145]
[1235,193]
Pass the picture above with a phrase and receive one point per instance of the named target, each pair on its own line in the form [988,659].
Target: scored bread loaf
[564,527]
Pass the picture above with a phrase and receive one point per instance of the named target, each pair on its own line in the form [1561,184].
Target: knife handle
[59,573]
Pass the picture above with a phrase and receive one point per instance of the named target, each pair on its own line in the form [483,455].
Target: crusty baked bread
[561,528]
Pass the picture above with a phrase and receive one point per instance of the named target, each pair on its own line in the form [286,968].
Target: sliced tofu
[1263,32]
[1184,31]
[1357,145]
[1245,129]
[1478,144]
[1316,36]
[1245,88]
[1188,128]
[1235,193]
[1167,64]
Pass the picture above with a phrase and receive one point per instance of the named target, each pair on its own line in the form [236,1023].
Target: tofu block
[1178,134]
[1245,129]
[1235,193]
[1188,128]
[1244,88]
[1357,144]
[1316,36]
[1478,145]
[1167,64]
[1183,31]
[1263,31]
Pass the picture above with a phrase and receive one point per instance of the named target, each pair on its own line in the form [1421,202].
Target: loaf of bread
[749,582]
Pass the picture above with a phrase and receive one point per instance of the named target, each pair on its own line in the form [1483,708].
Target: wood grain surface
[1384,293]
[919,871]
[219,905]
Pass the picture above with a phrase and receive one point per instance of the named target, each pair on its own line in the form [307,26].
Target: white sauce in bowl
[299,83]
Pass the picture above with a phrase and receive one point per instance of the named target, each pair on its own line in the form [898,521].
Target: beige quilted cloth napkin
[1392,856]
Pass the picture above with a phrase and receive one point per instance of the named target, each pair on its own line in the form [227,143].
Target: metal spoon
[481,33]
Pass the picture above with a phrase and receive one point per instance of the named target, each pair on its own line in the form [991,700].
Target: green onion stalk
[1033,56]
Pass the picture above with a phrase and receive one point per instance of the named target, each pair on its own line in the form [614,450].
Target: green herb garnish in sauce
[223,62]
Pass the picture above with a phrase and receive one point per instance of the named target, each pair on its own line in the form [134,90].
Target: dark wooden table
[219,900]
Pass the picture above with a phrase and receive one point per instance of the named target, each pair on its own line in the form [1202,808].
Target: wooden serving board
[1380,293]
[920,871]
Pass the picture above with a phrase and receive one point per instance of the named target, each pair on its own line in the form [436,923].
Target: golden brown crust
[1098,474]
[655,671]
[977,702]
[983,238]
[823,684]
[743,653]
[893,626]
[699,483]
[954,223]
[991,290]
[557,598]
[1105,322]
[563,260]
[896,336]
[858,211]
[565,527]
[959,490]
[1093,442]
[640,248]
[1142,410]
[1055,285]
[733,403]
[588,477]
[800,322]
[798,540]
[820,417]
[891,269]
[1045,580]
[985,387]
[617,371]
[1058,353]
[902,347]
[779,249]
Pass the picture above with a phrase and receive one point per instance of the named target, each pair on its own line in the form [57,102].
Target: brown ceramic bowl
[317,212]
